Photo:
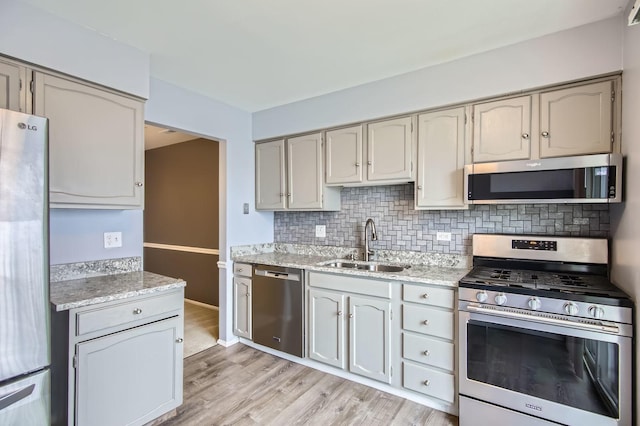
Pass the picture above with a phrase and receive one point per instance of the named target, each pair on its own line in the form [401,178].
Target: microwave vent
[634,15]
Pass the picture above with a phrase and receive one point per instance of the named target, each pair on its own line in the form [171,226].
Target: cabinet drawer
[435,296]
[116,315]
[428,351]
[425,320]
[429,382]
[351,284]
[242,269]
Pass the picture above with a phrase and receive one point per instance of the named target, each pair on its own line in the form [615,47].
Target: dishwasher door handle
[277,275]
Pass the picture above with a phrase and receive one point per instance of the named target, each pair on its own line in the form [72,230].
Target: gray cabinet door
[327,327]
[305,171]
[96,144]
[242,307]
[344,155]
[441,158]
[390,150]
[577,120]
[270,176]
[10,86]
[131,377]
[369,338]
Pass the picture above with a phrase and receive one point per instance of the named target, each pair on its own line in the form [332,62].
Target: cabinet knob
[138,184]
[425,322]
[545,134]
[357,164]
[350,315]
[137,311]
[426,353]
[288,194]
[369,163]
[248,294]
[339,313]
[425,296]
[179,340]
[419,187]
[525,136]
[282,194]
[426,383]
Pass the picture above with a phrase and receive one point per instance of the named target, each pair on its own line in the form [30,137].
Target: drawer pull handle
[425,322]
[426,353]
[425,296]
[137,311]
[179,340]
[426,383]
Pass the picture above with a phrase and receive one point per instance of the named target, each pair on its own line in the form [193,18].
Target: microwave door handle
[13,397]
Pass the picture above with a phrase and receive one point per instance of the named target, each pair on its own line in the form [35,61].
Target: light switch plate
[443,236]
[245,208]
[321,231]
[112,239]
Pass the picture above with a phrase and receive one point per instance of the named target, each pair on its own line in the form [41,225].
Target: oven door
[570,375]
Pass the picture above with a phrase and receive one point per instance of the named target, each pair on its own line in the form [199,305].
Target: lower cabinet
[242,307]
[357,338]
[118,363]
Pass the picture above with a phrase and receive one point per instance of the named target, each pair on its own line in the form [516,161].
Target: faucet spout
[374,236]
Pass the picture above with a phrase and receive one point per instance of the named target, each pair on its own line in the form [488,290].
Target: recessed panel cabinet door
[389,150]
[502,130]
[344,155]
[441,143]
[10,86]
[577,120]
[131,377]
[96,144]
[327,327]
[305,166]
[369,338]
[270,176]
[242,307]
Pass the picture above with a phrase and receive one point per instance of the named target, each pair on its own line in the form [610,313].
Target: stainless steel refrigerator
[24,270]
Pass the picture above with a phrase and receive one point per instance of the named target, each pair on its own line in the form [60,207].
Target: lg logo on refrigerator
[27,127]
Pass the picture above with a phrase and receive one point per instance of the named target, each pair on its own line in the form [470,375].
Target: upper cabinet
[96,144]
[443,150]
[289,175]
[577,120]
[385,155]
[12,86]
[502,129]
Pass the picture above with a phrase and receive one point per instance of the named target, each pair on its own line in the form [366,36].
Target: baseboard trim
[227,343]
[204,305]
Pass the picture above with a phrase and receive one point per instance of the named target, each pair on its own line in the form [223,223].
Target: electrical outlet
[443,236]
[321,231]
[112,239]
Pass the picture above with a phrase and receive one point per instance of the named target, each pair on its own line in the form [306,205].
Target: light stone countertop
[417,273]
[65,295]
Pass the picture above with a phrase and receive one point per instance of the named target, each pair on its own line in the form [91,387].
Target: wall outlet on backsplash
[321,231]
[443,236]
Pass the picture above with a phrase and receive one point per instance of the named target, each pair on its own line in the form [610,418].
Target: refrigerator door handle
[13,397]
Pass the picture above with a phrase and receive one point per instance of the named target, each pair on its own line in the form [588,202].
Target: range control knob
[482,296]
[596,312]
[571,308]
[501,298]
[534,303]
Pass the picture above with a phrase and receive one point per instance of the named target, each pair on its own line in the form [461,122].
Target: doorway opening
[182,224]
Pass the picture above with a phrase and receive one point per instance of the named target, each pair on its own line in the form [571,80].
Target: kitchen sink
[375,267]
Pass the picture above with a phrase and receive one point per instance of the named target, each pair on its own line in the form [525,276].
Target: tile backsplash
[400,227]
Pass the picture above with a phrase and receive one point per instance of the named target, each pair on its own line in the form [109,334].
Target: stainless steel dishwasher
[277,308]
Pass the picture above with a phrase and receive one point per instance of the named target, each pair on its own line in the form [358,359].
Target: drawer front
[242,269]
[428,351]
[117,315]
[435,296]
[351,284]
[429,382]
[431,321]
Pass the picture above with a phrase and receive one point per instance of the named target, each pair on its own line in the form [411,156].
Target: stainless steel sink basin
[375,267]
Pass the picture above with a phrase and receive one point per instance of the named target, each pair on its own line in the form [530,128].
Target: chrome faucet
[374,237]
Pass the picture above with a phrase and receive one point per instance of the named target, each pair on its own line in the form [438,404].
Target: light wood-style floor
[243,386]
[200,328]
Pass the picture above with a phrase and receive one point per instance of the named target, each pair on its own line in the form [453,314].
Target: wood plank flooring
[240,385]
[200,328]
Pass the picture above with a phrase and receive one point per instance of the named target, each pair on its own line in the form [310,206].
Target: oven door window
[572,371]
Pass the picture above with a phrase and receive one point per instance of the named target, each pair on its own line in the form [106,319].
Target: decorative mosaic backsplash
[400,227]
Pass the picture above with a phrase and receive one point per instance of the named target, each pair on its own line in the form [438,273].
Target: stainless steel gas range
[545,338]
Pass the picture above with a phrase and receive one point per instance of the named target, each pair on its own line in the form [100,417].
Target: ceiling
[257,54]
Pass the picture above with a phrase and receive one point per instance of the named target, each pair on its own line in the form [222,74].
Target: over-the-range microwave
[582,179]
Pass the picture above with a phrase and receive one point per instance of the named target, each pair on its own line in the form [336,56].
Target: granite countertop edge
[77,293]
[446,276]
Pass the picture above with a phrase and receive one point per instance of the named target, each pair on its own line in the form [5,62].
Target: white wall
[624,218]
[568,55]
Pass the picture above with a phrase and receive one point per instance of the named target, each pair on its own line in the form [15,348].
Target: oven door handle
[546,320]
